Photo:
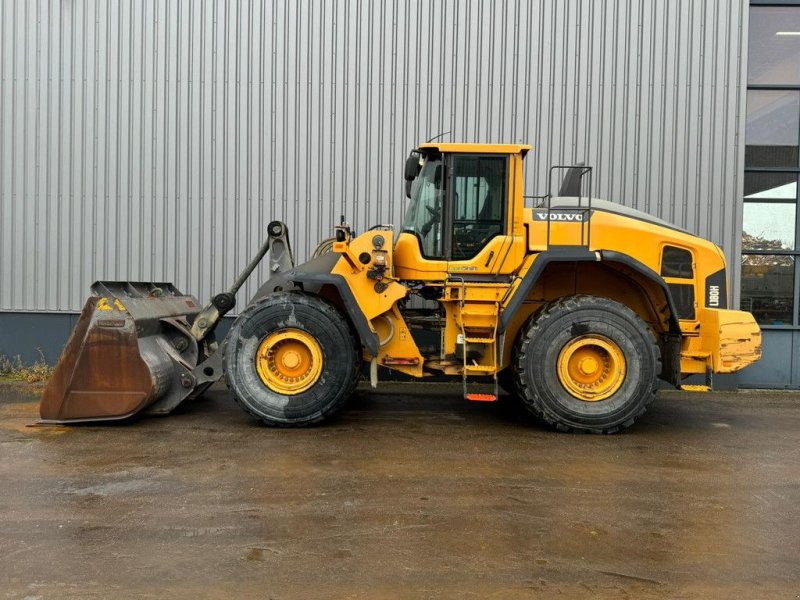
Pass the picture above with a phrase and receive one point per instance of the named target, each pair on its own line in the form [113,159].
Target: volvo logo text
[558,216]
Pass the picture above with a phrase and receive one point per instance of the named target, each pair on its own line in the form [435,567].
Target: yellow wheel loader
[576,306]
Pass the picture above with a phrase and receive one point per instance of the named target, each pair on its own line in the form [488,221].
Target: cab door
[477,239]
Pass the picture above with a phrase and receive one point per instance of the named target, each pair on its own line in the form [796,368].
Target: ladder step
[695,388]
[467,317]
[480,397]
[481,369]
[479,340]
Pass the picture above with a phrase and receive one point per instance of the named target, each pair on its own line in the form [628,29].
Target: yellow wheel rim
[591,367]
[289,361]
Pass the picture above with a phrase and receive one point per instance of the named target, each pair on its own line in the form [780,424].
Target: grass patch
[13,369]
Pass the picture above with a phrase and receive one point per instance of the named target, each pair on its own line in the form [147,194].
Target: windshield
[424,215]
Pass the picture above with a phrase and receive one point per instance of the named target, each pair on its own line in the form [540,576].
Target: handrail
[585,223]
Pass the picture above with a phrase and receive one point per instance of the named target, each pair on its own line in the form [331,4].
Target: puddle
[22,416]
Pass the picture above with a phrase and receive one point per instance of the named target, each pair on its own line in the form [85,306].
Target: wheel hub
[289,361]
[591,367]
[588,365]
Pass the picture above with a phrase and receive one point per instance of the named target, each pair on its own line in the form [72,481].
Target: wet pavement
[411,493]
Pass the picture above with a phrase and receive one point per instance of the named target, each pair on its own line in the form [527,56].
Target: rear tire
[626,375]
[324,329]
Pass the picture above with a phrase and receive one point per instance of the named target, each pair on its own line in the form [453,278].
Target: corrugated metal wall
[153,140]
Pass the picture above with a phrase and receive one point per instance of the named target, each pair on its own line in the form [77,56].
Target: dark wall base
[26,334]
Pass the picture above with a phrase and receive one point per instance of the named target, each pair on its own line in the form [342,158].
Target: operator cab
[461,212]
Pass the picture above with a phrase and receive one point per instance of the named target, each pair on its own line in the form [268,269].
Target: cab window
[479,200]
[424,215]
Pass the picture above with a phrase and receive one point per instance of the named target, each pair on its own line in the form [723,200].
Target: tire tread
[538,322]
[323,415]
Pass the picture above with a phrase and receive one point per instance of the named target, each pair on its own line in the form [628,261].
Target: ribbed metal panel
[152,140]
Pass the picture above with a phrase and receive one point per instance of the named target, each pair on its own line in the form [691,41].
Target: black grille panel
[676,262]
[683,296]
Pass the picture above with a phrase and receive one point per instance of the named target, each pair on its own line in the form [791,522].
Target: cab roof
[477,148]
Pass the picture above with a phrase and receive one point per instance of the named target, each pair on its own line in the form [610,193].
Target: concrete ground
[411,493]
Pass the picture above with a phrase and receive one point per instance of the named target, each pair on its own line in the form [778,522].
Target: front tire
[587,364]
[291,360]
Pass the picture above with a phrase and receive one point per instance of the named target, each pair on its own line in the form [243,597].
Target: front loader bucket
[131,351]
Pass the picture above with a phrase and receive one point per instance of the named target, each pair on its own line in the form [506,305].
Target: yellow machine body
[476,292]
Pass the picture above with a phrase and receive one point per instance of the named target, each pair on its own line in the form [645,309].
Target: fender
[368,338]
[569,254]
[643,269]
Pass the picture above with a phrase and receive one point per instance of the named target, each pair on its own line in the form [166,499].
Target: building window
[770,225]
[772,128]
[774,45]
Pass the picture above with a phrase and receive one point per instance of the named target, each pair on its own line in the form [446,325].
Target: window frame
[795,325]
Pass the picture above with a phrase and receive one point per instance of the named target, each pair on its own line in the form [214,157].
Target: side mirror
[411,171]
[412,166]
